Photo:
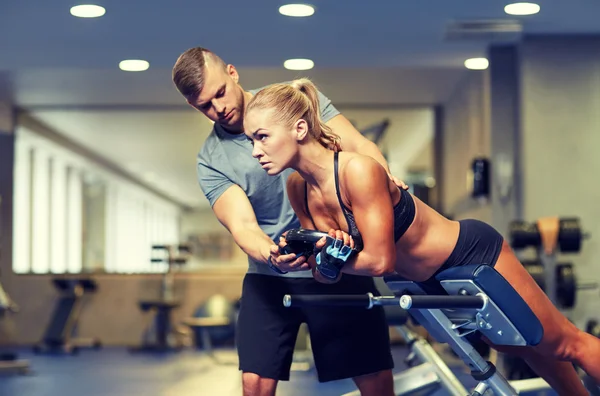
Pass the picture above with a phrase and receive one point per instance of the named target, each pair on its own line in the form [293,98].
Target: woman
[395,231]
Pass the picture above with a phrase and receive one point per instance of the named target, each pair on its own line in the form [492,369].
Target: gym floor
[117,372]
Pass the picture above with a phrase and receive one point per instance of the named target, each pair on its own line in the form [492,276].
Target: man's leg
[351,342]
[266,334]
[254,385]
[380,383]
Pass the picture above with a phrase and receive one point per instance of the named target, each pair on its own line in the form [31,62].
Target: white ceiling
[377,53]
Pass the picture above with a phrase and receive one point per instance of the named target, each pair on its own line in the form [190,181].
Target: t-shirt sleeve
[212,182]
[328,110]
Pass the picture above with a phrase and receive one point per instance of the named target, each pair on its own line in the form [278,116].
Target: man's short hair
[189,71]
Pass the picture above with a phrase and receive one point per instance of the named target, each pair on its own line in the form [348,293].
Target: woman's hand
[336,234]
[342,239]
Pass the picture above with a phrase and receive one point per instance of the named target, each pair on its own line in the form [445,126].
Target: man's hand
[287,262]
[398,182]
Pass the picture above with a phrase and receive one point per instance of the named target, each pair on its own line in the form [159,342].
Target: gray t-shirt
[226,159]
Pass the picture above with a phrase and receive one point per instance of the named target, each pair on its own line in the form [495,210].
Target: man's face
[221,98]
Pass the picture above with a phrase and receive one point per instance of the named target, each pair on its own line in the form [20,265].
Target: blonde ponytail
[294,101]
[322,132]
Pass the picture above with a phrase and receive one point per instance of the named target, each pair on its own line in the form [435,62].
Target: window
[73,216]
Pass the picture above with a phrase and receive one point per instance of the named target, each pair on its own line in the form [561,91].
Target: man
[346,343]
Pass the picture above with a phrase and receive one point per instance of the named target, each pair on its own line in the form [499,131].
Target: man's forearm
[254,242]
[370,149]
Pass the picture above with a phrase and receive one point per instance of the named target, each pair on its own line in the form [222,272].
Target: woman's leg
[561,376]
[562,340]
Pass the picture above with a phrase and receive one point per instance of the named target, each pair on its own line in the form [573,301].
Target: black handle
[363,300]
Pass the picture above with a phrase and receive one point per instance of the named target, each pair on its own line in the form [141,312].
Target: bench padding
[503,295]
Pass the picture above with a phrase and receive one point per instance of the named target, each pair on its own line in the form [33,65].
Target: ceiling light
[477,63]
[298,64]
[297,10]
[522,9]
[134,65]
[87,11]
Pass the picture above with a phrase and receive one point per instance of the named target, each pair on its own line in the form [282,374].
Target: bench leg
[443,330]
[426,378]
[428,355]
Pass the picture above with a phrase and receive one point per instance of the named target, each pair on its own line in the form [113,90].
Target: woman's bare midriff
[426,245]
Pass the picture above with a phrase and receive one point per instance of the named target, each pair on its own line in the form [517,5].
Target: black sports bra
[404,211]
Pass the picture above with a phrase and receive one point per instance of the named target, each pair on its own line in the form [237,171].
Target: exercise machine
[9,361]
[60,334]
[162,335]
[479,299]
[473,299]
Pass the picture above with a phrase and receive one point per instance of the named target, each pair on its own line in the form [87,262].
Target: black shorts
[478,243]
[346,342]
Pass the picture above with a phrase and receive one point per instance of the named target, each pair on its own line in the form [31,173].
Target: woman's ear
[301,129]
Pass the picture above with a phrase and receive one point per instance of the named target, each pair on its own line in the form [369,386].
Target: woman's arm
[365,185]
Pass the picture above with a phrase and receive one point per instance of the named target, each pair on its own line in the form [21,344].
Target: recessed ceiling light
[297,10]
[477,63]
[88,11]
[298,64]
[522,9]
[134,65]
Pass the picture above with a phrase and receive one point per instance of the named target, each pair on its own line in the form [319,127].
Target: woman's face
[275,146]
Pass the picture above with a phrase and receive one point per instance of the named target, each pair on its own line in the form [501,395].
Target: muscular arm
[234,211]
[354,141]
[366,186]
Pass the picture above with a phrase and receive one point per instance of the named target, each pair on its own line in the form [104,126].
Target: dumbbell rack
[560,283]
[558,280]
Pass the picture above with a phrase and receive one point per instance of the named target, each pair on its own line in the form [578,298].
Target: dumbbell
[524,234]
[566,281]
[302,241]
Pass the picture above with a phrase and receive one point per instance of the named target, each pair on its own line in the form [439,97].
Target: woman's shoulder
[354,164]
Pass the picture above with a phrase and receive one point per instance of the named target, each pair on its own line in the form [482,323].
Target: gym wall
[560,96]
[465,135]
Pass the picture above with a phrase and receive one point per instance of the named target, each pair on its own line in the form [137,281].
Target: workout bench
[478,299]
